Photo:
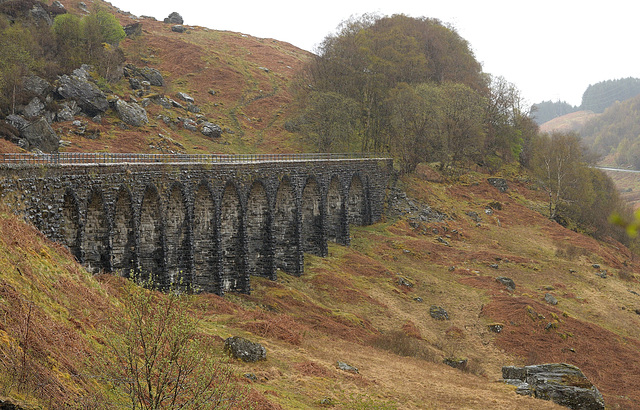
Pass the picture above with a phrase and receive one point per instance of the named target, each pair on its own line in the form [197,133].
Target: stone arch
[95,241]
[231,240]
[356,209]
[177,237]
[151,246]
[258,233]
[311,224]
[285,232]
[123,240]
[205,251]
[335,212]
[70,224]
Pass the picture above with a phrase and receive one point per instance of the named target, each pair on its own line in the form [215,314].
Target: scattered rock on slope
[245,350]
[563,383]
[174,18]
[77,87]
[130,113]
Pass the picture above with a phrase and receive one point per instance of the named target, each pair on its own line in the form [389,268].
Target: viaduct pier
[209,221]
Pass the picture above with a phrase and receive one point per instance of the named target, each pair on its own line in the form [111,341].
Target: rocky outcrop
[40,135]
[508,282]
[438,313]
[78,88]
[562,383]
[245,350]
[499,183]
[130,113]
[174,18]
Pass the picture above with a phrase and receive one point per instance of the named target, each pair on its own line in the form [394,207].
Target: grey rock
[438,313]
[499,183]
[174,18]
[456,363]
[185,97]
[192,108]
[346,367]
[34,108]
[474,216]
[58,5]
[178,28]
[131,113]
[39,135]
[40,15]
[550,299]
[36,85]
[508,282]
[562,383]
[245,350]
[133,29]
[190,124]
[404,282]
[211,130]
[76,87]
[17,121]
[152,75]
[495,327]
[68,111]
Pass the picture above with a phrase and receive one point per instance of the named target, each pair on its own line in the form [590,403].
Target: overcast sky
[551,50]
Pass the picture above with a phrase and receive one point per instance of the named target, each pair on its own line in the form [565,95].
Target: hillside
[442,243]
[572,122]
[368,305]
[238,82]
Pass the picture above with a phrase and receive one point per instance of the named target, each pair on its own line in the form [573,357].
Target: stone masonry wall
[211,226]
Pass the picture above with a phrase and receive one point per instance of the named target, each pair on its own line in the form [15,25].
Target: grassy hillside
[366,305]
[572,122]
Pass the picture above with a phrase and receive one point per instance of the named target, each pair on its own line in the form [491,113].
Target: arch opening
[311,219]
[95,243]
[205,250]
[259,244]
[70,224]
[231,240]
[177,239]
[151,250]
[123,239]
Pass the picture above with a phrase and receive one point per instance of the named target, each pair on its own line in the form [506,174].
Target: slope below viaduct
[206,221]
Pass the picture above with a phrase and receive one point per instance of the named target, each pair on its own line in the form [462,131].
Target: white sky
[551,50]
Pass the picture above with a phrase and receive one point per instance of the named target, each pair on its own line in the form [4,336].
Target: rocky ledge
[562,383]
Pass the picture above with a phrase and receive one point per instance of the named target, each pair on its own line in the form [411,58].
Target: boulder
[36,85]
[508,282]
[455,362]
[17,121]
[153,76]
[131,113]
[550,299]
[174,18]
[133,29]
[211,130]
[438,313]
[34,108]
[562,383]
[499,183]
[245,350]
[39,135]
[68,111]
[185,97]
[346,367]
[190,124]
[78,88]
[178,28]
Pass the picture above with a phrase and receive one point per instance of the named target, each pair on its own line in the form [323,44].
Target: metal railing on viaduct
[209,221]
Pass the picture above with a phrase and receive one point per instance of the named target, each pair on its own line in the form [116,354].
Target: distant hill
[569,122]
[596,98]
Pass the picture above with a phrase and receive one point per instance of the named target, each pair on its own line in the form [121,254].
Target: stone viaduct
[209,221]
